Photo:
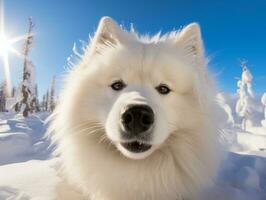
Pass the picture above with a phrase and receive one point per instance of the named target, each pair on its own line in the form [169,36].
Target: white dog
[136,118]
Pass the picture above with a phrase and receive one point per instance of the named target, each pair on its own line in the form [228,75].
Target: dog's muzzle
[137,122]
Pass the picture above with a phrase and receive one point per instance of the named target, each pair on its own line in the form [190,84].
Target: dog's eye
[163,89]
[118,85]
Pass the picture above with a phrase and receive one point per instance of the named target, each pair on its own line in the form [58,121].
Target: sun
[5,45]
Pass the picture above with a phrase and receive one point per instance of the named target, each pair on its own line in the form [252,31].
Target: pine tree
[47,100]
[26,99]
[43,102]
[13,92]
[245,103]
[3,96]
[38,109]
[52,95]
[34,103]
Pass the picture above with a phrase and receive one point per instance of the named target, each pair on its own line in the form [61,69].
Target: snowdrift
[28,169]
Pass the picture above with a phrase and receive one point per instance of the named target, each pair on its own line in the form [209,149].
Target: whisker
[88,123]
[102,139]
[89,131]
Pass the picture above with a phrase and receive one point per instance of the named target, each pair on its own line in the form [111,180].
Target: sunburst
[6,47]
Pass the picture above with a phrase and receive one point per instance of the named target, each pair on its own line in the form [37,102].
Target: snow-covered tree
[3,96]
[26,98]
[245,103]
[47,100]
[43,104]
[13,92]
[51,100]
[34,100]
[222,102]
[263,101]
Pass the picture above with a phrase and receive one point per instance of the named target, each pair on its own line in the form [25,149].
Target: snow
[28,169]
[246,75]
[221,99]
[240,178]
[263,99]
[29,180]
[22,139]
[245,105]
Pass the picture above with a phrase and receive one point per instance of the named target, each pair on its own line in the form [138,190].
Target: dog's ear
[190,39]
[108,33]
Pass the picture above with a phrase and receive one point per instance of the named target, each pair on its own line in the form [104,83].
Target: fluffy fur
[85,125]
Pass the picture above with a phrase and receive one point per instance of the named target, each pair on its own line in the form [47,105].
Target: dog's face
[143,92]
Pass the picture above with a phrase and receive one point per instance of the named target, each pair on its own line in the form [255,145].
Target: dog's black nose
[138,119]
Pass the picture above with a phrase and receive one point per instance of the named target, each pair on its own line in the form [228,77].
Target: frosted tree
[13,92]
[221,100]
[34,101]
[245,103]
[51,100]
[33,88]
[247,79]
[3,96]
[43,104]
[26,99]
[47,97]
[263,101]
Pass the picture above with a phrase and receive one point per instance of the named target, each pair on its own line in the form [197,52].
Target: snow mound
[22,139]
[240,178]
[13,146]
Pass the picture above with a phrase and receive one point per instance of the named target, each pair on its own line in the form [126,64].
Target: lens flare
[5,45]
[6,48]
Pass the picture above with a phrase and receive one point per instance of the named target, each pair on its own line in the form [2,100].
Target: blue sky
[231,30]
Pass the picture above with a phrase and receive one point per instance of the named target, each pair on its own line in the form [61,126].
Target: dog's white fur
[85,126]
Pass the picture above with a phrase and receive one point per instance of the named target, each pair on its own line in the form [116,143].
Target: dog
[136,117]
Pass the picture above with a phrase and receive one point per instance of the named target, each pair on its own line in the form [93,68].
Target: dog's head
[142,89]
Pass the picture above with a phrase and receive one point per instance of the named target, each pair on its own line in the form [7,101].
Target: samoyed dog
[136,117]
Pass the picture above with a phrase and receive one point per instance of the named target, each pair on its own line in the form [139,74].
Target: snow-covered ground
[27,168]
[22,139]
[29,171]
